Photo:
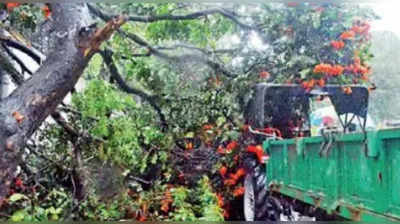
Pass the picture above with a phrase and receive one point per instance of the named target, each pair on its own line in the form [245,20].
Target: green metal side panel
[360,179]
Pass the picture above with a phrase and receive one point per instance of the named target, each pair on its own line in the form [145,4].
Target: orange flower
[321,82]
[46,11]
[347,90]
[245,128]
[236,158]
[337,44]
[357,60]
[347,35]
[223,170]
[231,146]
[322,68]
[364,70]
[221,150]
[362,29]
[18,182]
[165,207]
[336,70]
[238,191]
[364,77]
[308,85]
[166,202]
[328,69]
[240,173]
[357,68]
[230,182]
[189,146]
[226,213]
[220,200]
[264,75]
[142,218]
[312,82]
[207,127]
[258,150]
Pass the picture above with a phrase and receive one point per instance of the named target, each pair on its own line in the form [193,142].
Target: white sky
[389,11]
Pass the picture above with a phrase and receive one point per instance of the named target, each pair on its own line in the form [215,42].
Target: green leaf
[17,197]
[304,73]
[316,19]
[154,159]
[19,216]
[220,121]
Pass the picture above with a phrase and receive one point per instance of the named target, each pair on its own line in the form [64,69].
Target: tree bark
[29,105]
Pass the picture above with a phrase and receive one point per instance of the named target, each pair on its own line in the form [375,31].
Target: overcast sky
[389,11]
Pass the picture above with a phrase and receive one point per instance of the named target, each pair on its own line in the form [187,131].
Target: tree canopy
[154,74]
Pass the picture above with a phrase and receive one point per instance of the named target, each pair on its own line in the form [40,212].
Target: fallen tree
[22,112]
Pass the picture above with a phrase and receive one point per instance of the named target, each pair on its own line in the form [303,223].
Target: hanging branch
[107,56]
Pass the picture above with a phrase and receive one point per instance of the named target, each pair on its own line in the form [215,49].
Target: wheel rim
[249,198]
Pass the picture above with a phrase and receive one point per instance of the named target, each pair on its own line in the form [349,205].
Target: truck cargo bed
[358,178]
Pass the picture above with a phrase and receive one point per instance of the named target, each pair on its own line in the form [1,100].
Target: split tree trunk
[29,105]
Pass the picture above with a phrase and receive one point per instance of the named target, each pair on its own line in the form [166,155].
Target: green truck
[340,174]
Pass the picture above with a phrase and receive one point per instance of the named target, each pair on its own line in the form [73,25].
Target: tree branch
[202,50]
[107,56]
[191,16]
[154,51]
[6,65]
[15,44]
[15,58]
[182,58]
[74,137]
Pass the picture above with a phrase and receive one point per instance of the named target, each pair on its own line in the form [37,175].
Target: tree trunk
[27,107]
[2,75]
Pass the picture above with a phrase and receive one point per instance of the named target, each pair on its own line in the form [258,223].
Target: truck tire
[259,205]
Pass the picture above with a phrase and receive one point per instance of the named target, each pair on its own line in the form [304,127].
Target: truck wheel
[258,204]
